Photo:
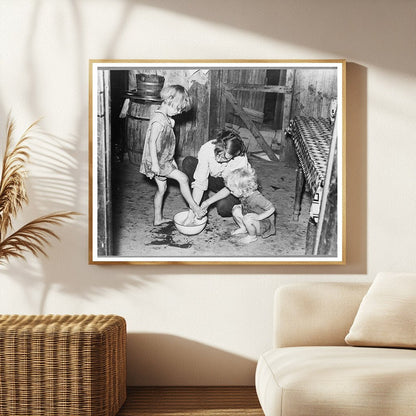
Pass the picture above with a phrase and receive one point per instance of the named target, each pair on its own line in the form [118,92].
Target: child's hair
[176,96]
[230,141]
[243,180]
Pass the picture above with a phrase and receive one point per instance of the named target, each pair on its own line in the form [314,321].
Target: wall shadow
[54,186]
[168,360]
[335,28]
[300,14]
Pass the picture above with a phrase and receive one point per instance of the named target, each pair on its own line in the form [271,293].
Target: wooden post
[216,104]
[104,211]
[310,237]
[286,148]
[328,242]
[300,186]
[278,109]
[328,211]
[250,125]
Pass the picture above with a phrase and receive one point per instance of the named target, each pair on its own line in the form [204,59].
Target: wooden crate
[62,365]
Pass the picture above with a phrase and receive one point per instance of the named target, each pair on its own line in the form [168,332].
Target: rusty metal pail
[149,86]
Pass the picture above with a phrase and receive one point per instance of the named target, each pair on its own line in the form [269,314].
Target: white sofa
[311,371]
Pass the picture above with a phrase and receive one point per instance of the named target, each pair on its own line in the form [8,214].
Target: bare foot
[248,239]
[239,231]
[161,221]
[189,218]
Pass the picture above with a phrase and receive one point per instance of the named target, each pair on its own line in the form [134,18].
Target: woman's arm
[221,194]
[197,194]
[202,172]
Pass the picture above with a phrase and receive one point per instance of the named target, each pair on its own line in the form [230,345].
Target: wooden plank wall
[217,102]
[313,90]
[248,99]
[193,126]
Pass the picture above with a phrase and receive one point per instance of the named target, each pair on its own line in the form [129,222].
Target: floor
[191,401]
[136,236]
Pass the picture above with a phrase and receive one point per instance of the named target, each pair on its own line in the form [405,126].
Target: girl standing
[159,148]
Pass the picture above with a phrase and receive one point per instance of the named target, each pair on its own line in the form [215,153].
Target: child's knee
[253,226]
[246,220]
[162,186]
[183,179]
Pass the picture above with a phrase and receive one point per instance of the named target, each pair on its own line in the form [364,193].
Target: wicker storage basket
[71,365]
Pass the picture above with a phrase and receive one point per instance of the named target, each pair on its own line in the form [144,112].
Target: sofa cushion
[304,381]
[387,314]
[315,314]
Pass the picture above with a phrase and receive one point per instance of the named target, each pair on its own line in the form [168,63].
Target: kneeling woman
[216,159]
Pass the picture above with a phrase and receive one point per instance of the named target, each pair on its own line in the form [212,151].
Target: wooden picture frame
[290,116]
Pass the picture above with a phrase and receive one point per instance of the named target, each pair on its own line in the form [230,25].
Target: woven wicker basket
[71,365]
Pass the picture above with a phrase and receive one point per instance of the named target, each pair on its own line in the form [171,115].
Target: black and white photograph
[217,162]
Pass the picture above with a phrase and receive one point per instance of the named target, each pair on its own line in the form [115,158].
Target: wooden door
[251,101]
[104,211]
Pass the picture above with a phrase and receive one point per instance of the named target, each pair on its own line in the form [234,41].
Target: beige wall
[201,324]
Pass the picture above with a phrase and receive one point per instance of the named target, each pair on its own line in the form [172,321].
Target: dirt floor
[136,236]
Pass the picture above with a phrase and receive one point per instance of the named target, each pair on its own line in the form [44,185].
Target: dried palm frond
[12,183]
[32,237]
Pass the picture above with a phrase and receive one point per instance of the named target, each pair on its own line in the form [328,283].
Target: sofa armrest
[308,314]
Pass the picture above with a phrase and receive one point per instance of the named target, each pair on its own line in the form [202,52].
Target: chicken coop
[287,116]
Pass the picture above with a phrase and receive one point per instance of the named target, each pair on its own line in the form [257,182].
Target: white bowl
[192,229]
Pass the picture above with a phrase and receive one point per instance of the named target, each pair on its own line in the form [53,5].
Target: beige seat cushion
[386,316]
[337,381]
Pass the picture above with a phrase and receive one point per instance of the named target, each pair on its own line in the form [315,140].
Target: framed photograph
[217,162]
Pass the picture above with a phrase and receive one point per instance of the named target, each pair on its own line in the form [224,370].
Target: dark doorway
[119,81]
[273,103]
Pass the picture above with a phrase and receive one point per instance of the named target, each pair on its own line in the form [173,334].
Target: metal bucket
[149,86]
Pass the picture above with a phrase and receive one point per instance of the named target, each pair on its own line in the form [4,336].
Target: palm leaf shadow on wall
[35,235]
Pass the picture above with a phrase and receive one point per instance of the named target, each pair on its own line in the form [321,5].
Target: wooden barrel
[149,86]
[138,117]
